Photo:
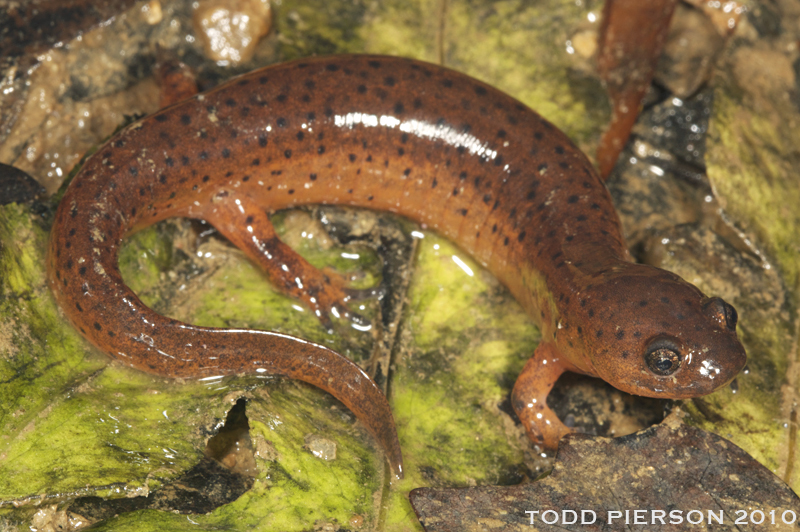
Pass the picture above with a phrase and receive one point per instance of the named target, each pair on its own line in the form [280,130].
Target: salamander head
[651,333]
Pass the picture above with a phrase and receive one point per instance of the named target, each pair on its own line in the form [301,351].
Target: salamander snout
[653,334]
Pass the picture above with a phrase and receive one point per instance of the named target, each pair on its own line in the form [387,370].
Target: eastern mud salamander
[403,136]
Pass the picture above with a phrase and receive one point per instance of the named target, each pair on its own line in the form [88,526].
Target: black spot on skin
[501,133]
[370,197]
[161,118]
[281,98]
[281,122]
[186,120]
[591,312]
[462,212]
[447,83]
[480,91]
[352,157]
[462,176]
[332,67]
[401,152]
[328,112]
[321,150]
[498,160]
[665,300]
[133,170]
[494,228]
[643,303]
[531,195]
[262,140]
[230,102]
[417,103]
[505,241]
[404,138]
[291,191]
[406,172]
[313,177]
[246,178]
[563,165]
[559,150]
[620,334]
[203,155]
[455,192]
[287,154]
[300,135]
[542,168]
[311,116]
[389,81]
[226,153]
[97,326]
[361,89]
[572,199]
[581,218]
[521,236]
[206,178]
[398,108]
[255,162]
[569,238]
[487,198]
[374,64]
[248,220]
[434,183]
[162,179]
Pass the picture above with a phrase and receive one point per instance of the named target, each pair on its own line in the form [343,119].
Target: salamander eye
[721,311]
[662,357]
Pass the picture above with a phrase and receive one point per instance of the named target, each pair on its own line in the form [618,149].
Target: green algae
[463,341]
[295,489]
[752,159]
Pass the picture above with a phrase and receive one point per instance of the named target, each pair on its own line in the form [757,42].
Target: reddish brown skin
[632,36]
[443,149]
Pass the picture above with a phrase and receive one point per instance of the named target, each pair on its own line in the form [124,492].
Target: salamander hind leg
[529,396]
[247,226]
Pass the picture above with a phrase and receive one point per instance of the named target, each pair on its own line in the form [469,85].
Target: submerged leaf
[670,475]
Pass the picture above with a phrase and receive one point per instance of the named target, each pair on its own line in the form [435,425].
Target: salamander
[393,134]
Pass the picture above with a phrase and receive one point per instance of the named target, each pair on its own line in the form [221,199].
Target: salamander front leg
[529,396]
[248,227]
